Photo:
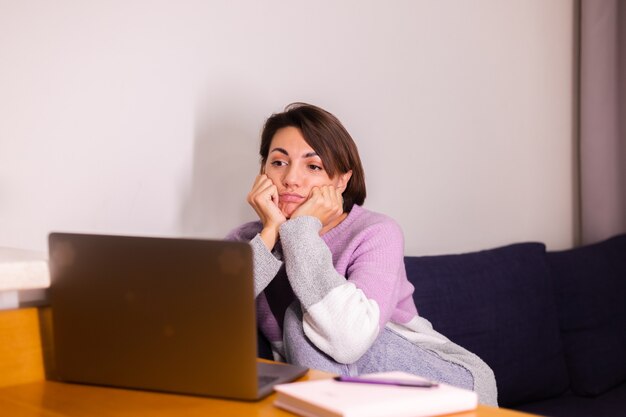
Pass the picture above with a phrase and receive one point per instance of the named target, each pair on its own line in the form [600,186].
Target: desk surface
[55,399]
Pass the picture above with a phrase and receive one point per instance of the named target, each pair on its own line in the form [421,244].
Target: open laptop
[164,314]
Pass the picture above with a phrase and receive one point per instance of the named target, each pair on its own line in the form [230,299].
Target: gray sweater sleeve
[266,265]
[308,260]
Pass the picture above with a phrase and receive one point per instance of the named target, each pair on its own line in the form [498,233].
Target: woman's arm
[263,197]
[265,264]
[343,317]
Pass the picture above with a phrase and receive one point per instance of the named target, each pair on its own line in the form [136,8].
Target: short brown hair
[328,138]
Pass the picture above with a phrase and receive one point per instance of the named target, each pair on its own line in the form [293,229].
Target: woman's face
[295,168]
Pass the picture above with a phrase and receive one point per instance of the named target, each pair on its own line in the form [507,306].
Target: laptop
[163,314]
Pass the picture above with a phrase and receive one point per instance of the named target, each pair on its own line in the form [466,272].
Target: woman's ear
[344,179]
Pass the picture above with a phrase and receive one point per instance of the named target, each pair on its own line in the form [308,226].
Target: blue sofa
[552,325]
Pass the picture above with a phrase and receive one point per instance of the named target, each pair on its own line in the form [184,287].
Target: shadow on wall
[225,163]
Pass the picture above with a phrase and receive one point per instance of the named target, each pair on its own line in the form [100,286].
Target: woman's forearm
[266,265]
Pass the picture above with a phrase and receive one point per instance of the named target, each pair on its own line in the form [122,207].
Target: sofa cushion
[591,298]
[610,404]
[498,304]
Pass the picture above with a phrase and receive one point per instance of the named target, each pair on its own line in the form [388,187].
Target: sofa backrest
[590,288]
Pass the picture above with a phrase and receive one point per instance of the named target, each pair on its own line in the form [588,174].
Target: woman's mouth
[290,198]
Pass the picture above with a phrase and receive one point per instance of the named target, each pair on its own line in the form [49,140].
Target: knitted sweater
[351,282]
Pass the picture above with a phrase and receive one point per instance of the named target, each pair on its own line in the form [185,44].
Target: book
[22,269]
[24,276]
[331,398]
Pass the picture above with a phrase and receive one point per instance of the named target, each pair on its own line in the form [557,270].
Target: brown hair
[328,138]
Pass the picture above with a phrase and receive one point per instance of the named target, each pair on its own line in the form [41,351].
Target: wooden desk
[24,391]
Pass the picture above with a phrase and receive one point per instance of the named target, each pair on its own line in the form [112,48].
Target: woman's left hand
[325,203]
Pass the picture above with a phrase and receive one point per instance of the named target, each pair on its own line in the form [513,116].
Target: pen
[395,382]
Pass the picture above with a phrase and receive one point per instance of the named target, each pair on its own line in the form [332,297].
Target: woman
[330,282]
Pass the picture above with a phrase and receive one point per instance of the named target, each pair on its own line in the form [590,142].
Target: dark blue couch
[552,325]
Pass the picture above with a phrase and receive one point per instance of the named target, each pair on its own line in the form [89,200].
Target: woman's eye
[278,163]
[315,167]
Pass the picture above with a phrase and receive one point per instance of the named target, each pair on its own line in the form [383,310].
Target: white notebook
[330,398]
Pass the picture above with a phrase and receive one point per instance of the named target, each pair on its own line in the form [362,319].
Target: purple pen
[386,381]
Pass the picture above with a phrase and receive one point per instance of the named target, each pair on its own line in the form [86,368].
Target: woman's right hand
[264,200]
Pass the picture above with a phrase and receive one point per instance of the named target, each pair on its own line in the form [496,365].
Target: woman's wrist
[269,236]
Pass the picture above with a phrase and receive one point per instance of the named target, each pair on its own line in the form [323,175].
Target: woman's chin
[288,210]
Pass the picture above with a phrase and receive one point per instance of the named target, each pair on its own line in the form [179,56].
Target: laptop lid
[164,314]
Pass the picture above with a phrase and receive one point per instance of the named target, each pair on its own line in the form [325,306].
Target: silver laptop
[163,314]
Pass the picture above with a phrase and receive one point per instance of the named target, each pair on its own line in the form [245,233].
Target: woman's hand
[264,200]
[325,203]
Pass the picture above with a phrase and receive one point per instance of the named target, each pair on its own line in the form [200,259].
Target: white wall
[143,117]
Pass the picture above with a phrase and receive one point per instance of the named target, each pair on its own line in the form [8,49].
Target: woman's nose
[292,176]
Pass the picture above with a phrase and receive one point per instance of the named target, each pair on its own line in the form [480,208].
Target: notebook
[330,398]
[163,314]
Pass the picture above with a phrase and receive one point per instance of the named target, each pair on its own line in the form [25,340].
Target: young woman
[330,282]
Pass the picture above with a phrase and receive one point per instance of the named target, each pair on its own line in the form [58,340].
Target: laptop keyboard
[266,380]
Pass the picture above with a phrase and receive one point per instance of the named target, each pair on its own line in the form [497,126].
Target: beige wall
[143,117]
